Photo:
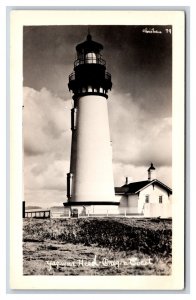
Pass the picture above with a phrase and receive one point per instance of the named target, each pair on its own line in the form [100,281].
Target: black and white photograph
[97,150]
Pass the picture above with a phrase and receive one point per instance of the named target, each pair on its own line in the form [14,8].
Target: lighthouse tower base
[92,208]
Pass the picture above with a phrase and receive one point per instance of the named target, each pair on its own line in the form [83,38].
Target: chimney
[128,180]
[151,172]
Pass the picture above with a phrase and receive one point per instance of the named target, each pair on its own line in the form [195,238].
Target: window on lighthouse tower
[90,58]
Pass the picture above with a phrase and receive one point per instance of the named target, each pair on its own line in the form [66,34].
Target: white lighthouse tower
[90,185]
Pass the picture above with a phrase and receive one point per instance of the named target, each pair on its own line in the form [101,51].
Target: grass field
[97,246]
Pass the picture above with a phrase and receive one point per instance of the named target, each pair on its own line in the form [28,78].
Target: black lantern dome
[89,45]
[89,76]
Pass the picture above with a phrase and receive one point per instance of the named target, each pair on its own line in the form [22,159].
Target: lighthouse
[90,184]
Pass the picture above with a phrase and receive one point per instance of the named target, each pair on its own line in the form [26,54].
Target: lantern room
[89,76]
[88,52]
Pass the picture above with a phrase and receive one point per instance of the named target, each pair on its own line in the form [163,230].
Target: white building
[150,198]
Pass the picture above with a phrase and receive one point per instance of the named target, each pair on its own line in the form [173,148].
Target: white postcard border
[44,17]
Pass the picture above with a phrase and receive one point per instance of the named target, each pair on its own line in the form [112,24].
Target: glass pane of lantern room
[90,58]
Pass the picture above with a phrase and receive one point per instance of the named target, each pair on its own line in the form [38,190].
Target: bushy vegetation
[146,236]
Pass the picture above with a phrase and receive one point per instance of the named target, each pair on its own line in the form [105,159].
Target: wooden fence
[42,214]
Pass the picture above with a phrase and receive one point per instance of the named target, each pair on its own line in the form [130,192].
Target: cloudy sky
[139,105]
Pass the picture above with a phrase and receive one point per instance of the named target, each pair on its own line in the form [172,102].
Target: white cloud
[138,138]
[45,173]
[46,121]
[47,138]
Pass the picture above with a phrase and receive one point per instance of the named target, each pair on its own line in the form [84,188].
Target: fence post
[23,209]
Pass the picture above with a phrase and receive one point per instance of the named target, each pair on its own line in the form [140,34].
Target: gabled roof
[136,187]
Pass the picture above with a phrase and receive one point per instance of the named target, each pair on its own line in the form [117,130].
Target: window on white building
[160,199]
[147,199]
